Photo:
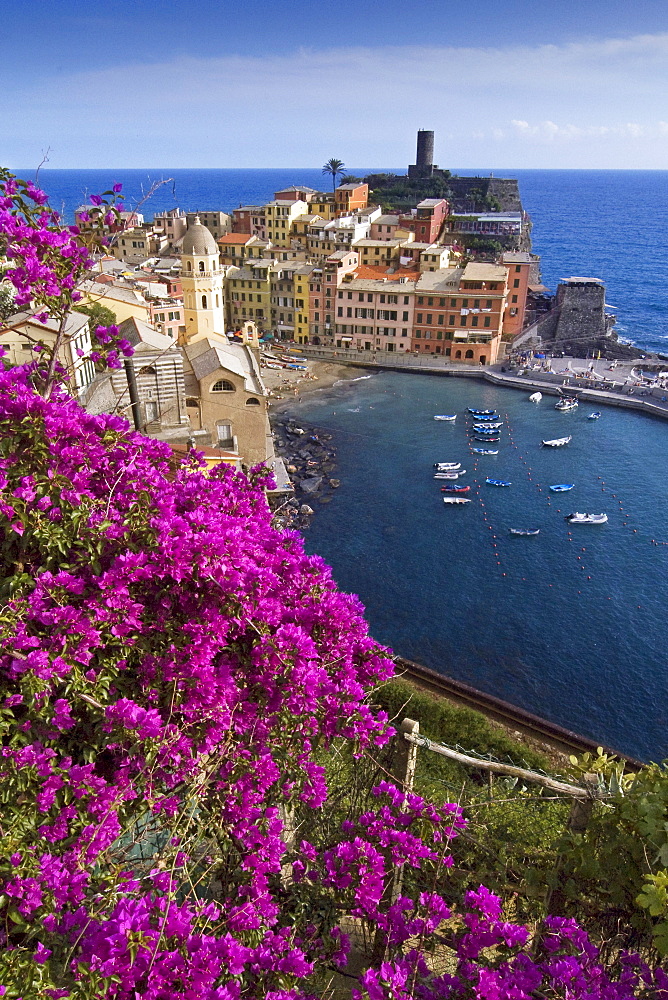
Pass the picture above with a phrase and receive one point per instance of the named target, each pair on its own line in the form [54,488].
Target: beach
[286,386]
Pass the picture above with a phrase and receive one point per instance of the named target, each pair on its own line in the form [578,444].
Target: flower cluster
[174,672]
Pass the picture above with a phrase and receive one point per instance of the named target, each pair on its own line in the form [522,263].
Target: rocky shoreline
[310,461]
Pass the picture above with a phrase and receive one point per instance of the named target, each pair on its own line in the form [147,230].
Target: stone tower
[424,165]
[202,283]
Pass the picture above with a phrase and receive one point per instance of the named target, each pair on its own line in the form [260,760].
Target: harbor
[533,620]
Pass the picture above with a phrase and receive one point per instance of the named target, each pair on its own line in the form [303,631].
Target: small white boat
[456,500]
[450,475]
[557,442]
[485,451]
[484,427]
[445,416]
[566,404]
[447,466]
[524,532]
[562,487]
[594,416]
[586,518]
[535,397]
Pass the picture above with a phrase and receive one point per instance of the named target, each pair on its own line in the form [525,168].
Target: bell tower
[202,283]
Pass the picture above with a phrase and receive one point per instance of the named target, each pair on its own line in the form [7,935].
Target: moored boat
[456,500]
[594,416]
[483,427]
[498,482]
[485,451]
[445,416]
[455,489]
[444,466]
[562,487]
[484,418]
[566,404]
[586,518]
[557,442]
[480,412]
[450,475]
[489,440]
[535,397]
[524,532]
[485,430]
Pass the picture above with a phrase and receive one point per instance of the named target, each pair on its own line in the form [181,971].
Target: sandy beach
[286,386]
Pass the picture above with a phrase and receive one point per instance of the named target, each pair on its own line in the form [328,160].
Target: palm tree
[334,167]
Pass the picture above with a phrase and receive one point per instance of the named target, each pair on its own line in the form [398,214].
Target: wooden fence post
[403,764]
[578,820]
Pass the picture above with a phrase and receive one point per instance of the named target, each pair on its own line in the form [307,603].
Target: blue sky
[506,83]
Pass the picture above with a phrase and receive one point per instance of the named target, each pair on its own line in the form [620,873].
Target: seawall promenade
[622,394]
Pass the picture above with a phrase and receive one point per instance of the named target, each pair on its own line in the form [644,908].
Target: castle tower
[202,283]
[424,165]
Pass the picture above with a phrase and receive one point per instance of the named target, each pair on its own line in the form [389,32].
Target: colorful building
[459,313]
[280,216]
[374,310]
[350,198]
[521,267]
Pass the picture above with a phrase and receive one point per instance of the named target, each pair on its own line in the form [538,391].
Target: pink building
[167,318]
[374,310]
[384,227]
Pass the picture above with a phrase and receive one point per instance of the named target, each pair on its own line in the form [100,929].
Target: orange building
[350,198]
[520,266]
[459,313]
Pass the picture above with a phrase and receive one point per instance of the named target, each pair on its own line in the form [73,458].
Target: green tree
[7,305]
[334,168]
[99,315]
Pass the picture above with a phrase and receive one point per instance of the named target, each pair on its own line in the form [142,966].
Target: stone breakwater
[310,461]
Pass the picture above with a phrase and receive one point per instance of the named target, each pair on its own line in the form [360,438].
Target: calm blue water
[587,653]
[569,624]
[599,223]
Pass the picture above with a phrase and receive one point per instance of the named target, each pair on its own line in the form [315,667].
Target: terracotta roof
[235,238]
[371,272]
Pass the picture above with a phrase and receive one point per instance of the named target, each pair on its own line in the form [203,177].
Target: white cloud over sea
[587,104]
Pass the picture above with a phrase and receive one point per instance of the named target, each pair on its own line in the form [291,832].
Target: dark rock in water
[305,510]
[334,483]
[311,485]
[328,467]
[324,499]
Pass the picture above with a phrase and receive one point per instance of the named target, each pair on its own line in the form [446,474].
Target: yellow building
[301,294]
[279,219]
[123,301]
[248,292]
[323,205]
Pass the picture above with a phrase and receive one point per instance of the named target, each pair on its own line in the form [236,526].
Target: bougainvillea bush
[174,670]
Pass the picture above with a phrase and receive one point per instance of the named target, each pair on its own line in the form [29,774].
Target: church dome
[198,240]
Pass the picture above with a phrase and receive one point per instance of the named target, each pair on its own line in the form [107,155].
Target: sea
[569,624]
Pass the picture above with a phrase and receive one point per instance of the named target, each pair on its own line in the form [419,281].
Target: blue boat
[487,427]
[486,417]
[480,413]
[594,416]
[498,482]
[485,451]
[487,440]
[562,487]
[486,430]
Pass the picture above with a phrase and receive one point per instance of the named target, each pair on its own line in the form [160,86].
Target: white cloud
[519,106]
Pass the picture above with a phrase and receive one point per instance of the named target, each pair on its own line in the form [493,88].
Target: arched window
[252,402]
[204,302]
[222,385]
[458,354]
[469,354]
[201,266]
[189,265]
[192,401]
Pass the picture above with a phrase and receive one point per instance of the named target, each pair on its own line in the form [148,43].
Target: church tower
[202,283]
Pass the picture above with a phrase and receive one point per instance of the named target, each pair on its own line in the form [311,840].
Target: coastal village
[211,301]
